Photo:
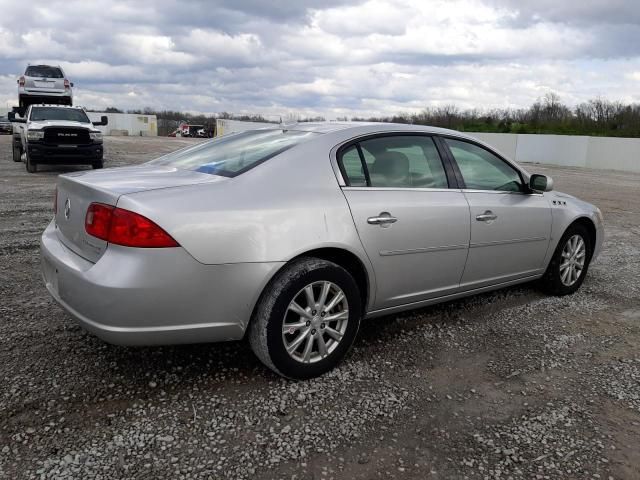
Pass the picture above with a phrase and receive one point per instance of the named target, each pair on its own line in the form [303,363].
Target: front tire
[570,262]
[97,165]
[306,319]
[32,167]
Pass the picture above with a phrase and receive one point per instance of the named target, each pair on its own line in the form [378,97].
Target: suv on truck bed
[55,134]
[44,84]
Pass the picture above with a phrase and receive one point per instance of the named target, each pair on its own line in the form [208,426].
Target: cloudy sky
[328,57]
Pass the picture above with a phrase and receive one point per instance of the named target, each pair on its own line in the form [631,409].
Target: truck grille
[66,136]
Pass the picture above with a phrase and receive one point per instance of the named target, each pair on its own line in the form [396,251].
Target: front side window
[482,170]
[234,154]
[398,161]
[39,114]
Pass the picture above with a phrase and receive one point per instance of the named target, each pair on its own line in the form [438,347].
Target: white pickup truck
[55,134]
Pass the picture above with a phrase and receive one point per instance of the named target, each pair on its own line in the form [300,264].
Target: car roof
[365,127]
[56,106]
[42,65]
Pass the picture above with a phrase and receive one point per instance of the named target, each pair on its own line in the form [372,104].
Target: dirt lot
[502,385]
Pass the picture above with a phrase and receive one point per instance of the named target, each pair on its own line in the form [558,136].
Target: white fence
[129,124]
[604,153]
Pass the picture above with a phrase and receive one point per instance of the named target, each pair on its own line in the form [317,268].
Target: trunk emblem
[67,209]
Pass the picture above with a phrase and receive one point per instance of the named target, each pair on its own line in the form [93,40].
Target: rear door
[510,226]
[414,228]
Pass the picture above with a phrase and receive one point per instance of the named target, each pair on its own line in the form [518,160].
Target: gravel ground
[511,384]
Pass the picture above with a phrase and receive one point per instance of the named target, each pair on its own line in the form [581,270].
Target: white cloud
[329,58]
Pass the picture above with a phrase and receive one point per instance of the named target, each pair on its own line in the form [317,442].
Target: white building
[130,124]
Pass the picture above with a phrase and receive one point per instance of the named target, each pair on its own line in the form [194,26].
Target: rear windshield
[39,114]
[234,154]
[43,71]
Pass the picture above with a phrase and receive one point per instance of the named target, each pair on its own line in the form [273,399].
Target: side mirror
[13,119]
[71,84]
[104,120]
[540,183]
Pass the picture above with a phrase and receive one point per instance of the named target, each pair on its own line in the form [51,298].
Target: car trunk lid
[76,191]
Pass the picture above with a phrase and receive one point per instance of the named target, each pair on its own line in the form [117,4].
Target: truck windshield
[39,114]
[234,154]
[43,71]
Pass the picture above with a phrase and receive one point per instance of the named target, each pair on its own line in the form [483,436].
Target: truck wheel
[97,165]
[17,153]
[32,167]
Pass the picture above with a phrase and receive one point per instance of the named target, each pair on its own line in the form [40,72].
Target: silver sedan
[290,236]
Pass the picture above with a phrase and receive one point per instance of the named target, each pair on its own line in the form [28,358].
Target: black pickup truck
[54,134]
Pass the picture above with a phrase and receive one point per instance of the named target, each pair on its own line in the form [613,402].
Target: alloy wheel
[315,322]
[573,260]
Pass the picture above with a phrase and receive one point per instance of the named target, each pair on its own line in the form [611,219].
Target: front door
[414,229]
[510,226]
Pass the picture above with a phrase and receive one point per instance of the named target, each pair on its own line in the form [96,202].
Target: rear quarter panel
[280,209]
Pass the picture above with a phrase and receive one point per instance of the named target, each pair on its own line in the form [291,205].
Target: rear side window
[482,170]
[43,71]
[353,167]
[234,154]
[398,161]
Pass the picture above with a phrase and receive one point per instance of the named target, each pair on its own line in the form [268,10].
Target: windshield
[234,154]
[43,71]
[39,114]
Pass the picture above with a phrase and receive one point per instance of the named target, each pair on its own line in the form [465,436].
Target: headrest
[391,164]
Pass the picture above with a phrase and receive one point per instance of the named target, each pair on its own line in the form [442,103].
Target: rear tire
[297,329]
[17,153]
[97,165]
[570,262]
[32,167]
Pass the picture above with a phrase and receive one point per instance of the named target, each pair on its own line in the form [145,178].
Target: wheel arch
[340,256]
[590,226]
[350,262]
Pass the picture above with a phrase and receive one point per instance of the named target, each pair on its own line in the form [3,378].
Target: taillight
[21,81]
[122,227]
[67,85]
[97,222]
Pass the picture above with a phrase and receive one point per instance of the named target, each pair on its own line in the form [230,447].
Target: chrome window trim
[333,157]
[400,189]
[501,192]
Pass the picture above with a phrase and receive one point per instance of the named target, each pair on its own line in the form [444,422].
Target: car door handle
[384,218]
[487,216]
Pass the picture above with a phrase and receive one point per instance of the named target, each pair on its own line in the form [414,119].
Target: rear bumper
[41,95]
[54,154]
[152,296]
